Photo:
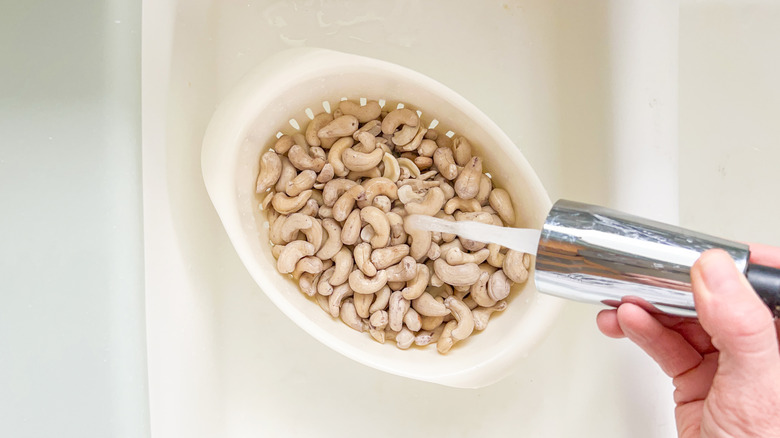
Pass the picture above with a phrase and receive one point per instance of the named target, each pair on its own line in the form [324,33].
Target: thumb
[739,323]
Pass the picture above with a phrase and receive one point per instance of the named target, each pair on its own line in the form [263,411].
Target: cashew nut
[359,161]
[421,241]
[342,126]
[334,155]
[349,315]
[445,163]
[397,306]
[398,117]
[412,320]
[455,256]
[429,206]
[380,186]
[286,205]
[370,111]
[334,189]
[309,264]
[463,316]
[362,255]
[514,266]
[485,186]
[323,284]
[291,253]
[346,202]
[343,263]
[333,244]
[416,286]
[404,270]
[499,286]
[501,202]
[270,171]
[404,338]
[314,126]
[303,161]
[351,230]
[378,319]
[381,300]
[340,292]
[397,232]
[460,275]
[283,144]
[458,203]
[365,285]
[467,183]
[362,304]
[427,148]
[427,305]
[288,173]
[461,149]
[378,221]
[482,314]
[409,166]
[478,291]
[446,341]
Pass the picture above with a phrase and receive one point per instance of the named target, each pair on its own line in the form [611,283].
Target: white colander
[283,94]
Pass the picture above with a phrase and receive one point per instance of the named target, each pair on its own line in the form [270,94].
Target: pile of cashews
[336,196]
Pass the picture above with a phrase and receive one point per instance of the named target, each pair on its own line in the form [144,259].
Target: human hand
[725,366]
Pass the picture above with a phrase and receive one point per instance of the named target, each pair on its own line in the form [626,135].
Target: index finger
[765,255]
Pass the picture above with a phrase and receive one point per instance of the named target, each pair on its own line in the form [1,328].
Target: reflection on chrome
[593,254]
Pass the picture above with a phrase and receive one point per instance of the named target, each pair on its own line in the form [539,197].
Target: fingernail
[718,271]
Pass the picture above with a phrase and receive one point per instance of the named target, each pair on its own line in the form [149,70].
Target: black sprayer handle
[766,282]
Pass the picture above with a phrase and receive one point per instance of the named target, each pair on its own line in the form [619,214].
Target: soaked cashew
[351,230]
[381,299]
[457,203]
[427,305]
[378,221]
[445,163]
[340,292]
[416,286]
[317,123]
[343,263]
[514,266]
[499,286]
[482,314]
[396,118]
[288,173]
[463,316]
[429,206]
[285,204]
[459,275]
[370,111]
[404,270]
[446,341]
[303,161]
[500,201]
[398,306]
[342,126]
[291,253]
[270,171]
[359,161]
[367,285]
[467,183]
[461,150]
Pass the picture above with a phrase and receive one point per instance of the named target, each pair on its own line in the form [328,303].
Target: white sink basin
[223,361]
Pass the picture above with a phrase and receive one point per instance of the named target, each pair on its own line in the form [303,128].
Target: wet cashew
[445,163]
[455,256]
[342,126]
[362,254]
[351,230]
[304,181]
[340,292]
[291,253]
[460,275]
[416,286]
[404,270]
[365,285]
[285,204]
[367,233]
[362,304]
[407,194]
[288,173]
[349,315]
[409,166]
[392,170]
[370,111]
[398,117]
[427,305]
[303,161]
[397,308]
[404,137]
[397,233]
[343,263]
[496,258]
[383,203]
[343,206]
[270,171]
[404,338]
[499,286]
[434,252]
[323,284]
[309,264]
[478,291]
[513,266]
[446,341]
[467,183]
[335,153]
[427,148]
[429,206]
[385,257]
[381,300]
[378,319]
[423,163]
[421,241]
[463,316]
[485,187]
[319,121]
[482,314]
[461,150]
[412,320]
[311,208]
[461,204]
[501,202]
[326,174]
[334,189]
[378,221]
[360,161]
[380,186]
[333,244]
[308,283]
[283,144]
